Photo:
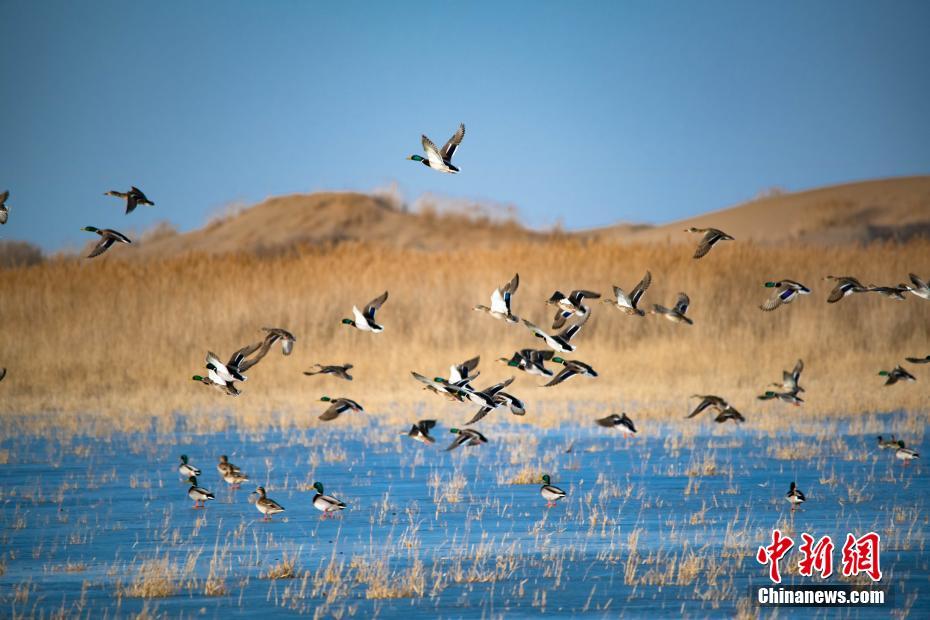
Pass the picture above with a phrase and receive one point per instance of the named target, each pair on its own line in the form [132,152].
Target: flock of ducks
[458,386]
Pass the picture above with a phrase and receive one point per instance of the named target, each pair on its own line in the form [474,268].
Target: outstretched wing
[432,153]
[640,289]
[499,303]
[681,305]
[4,196]
[569,333]
[102,246]
[707,242]
[374,305]
[449,149]
[565,373]
[481,413]
[705,403]
[577,296]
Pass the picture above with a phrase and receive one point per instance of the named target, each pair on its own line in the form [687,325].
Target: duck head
[184,459]
[545,478]
[348,322]
[91,229]
[416,158]
[325,399]
[319,487]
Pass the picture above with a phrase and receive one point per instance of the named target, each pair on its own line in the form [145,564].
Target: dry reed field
[116,341]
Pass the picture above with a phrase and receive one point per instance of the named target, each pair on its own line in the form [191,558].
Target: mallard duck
[896,374]
[500,301]
[233,369]
[224,466]
[629,304]
[337,371]
[571,368]
[499,400]
[790,379]
[550,493]
[235,478]
[467,437]
[186,469]
[326,504]
[4,209]
[365,321]
[886,444]
[108,238]
[786,291]
[463,371]
[711,237]
[676,314]
[198,494]
[791,397]
[338,406]
[794,496]
[845,286]
[561,342]
[133,198]
[440,160]
[920,289]
[287,338]
[530,361]
[572,305]
[420,431]
[896,293]
[483,397]
[621,422]
[266,505]
[725,411]
[912,360]
[906,455]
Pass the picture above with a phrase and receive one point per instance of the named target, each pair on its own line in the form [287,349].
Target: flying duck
[710,239]
[440,160]
[108,238]
[845,286]
[498,400]
[227,387]
[133,197]
[483,397]
[912,360]
[725,411]
[896,293]
[786,291]
[629,304]
[233,369]
[791,397]
[420,431]
[500,301]
[920,289]
[441,386]
[465,370]
[198,494]
[794,496]
[790,379]
[287,338]
[571,368]
[550,493]
[338,406]
[325,503]
[467,437]
[4,209]
[561,342]
[905,454]
[621,422]
[572,305]
[531,361]
[365,321]
[897,374]
[186,469]
[676,314]
[266,505]
[337,371]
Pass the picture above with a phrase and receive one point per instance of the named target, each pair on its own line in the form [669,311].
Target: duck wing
[449,149]
[640,289]
[681,305]
[374,305]
[565,373]
[432,153]
[102,246]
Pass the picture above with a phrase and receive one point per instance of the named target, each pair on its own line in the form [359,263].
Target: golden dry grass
[118,341]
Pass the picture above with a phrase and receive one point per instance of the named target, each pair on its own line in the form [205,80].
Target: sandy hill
[897,208]
[856,212]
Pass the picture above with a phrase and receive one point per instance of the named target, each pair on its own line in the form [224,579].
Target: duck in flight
[337,407]
[466,437]
[500,301]
[420,431]
[621,422]
[134,197]
[845,286]
[898,373]
[561,342]
[629,304]
[337,371]
[571,305]
[785,292]
[437,159]
[725,411]
[677,313]
[571,368]
[920,289]
[108,238]
[365,321]
[530,361]
[790,379]
[278,333]
[711,237]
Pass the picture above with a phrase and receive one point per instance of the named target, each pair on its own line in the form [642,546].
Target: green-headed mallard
[905,454]
[233,369]
[790,397]
[465,370]
[786,291]
[711,237]
[4,209]
[108,238]
[483,397]
[287,338]
[629,304]
[570,305]
[212,379]
[266,505]
[133,198]
[845,286]
[886,444]
[338,406]
[420,431]
[198,494]
[531,361]
[896,374]
[561,342]
[920,289]
[186,469]
[440,160]
[337,371]
[550,493]
[365,321]
[572,368]
[677,313]
[500,301]
[621,422]
[794,496]
[467,437]
[326,504]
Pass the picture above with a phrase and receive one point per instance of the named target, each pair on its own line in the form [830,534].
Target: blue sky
[589,113]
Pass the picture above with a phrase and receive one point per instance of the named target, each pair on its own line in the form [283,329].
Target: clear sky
[585,112]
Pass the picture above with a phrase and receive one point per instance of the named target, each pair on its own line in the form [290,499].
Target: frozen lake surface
[665,525]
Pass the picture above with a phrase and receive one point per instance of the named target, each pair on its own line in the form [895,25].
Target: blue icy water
[665,525]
